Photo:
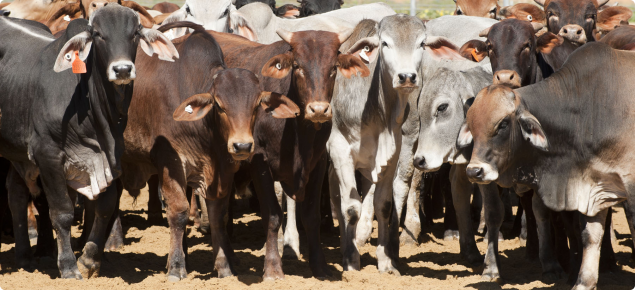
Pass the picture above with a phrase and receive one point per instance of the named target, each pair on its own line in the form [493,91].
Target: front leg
[223,252]
[494,213]
[271,216]
[592,241]
[387,226]
[461,194]
[291,236]
[18,199]
[551,269]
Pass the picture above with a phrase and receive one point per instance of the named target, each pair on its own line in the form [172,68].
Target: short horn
[485,32]
[537,26]
[285,35]
[344,35]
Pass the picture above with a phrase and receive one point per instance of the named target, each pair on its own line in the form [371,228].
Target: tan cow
[480,8]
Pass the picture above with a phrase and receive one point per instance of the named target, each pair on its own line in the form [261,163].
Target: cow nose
[474,172]
[242,147]
[5,12]
[99,4]
[419,162]
[407,77]
[122,71]
[318,112]
[507,77]
[574,33]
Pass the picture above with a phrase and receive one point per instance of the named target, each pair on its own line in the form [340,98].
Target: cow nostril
[579,32]
[419,162]
[479,172]
[94,4]
[511,78]
[5,13]
[413,78]
[122,70]
[565,31]
[402,78]
[326,109]
[498,77]
[242,147]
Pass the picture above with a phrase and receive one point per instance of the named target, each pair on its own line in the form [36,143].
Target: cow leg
[18,198]
[174,193]
[45,241]
[271,216]
[310,216]
[291,236]
[518,219]
[155,212]
[90,262]
[592,241]
[115,236]
[387,226]
[551,269]
[32,221]
[194,215]
[412,222]
[449,217]
[222,249]
[205,227]
[348,205]
[402,186]
[532,233]
[629,209]
[494,215]
[365,223]
[461,193]
[571,220]
[608,263]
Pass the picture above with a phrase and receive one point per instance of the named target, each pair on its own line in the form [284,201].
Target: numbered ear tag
[476,57]
[363,54]
[79,67]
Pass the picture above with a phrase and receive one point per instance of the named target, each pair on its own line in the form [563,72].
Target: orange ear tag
[79,67]
[476,57]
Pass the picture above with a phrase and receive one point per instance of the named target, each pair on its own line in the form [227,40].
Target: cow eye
[442,108]
[493,11]
[187,10]
[502,126]
[590,16]
[384,44]
[225,13]
[220,109]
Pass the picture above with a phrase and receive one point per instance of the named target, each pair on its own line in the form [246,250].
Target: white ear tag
[188,109]
[363,54]
[67,18]
[278,66]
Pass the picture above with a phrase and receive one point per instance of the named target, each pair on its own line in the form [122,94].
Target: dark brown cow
[203,154]
[524,11]
[572,19]
[480,8]
[622,38]
[292,151]
[165,7]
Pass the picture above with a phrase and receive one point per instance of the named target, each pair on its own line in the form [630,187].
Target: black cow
[66,127]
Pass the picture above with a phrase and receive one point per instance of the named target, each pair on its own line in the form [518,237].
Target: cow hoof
[552,275]
[113,243]
[88,267]
[225,272]
[290,254]
[273,277]
[176,274]
[173,278]
[475,259]
[72,275]
[26,265]
[406,240]
[393,272]
[32,234]
[155,218]
[450,235]
[491,277]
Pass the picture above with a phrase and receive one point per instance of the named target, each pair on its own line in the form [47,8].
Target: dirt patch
[435,264]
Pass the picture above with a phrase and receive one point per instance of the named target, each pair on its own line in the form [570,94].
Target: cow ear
[366,49]
[441,47]
[153,41]
[540,2]
[79,44]
[465,137]
[279,106]
[288,11]
[350,65]
[176,16]
[547,42]
[474,50]
[524,11]
[146,19]
[278,66]
[194,108]
[467,104]
[239,24]
[612,17]
[532,131]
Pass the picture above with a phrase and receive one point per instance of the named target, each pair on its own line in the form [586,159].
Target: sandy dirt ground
[434,264]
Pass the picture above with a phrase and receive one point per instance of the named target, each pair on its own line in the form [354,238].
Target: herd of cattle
[284,100]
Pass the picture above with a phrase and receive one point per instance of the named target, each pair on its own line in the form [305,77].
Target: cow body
[573,161]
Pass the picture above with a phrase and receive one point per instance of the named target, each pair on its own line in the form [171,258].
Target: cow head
[37,10]
[574,20]
[112,38]
[235,108]
[314,60]
[442,106]
[312,7]
[480,8]
[512,47]
[524,11]
[498,125]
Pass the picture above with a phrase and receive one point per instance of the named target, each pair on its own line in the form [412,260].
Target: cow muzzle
[574,33]
[241,149]
[405,81]
[121,72]
[96,5]
[318,112]
[481,173]
[508,78]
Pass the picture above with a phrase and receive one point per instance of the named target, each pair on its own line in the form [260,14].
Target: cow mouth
[120,82]
[240,156]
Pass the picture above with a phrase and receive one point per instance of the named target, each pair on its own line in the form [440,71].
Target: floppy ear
[278,66]
[366,49]
[524,11]
[547,42]
[532,131]
[146,19]
[474,50]
[465,137]
[540,2]
[442,48]
[288,11]
[240,25]
[350,65]
[194,108]
[612,17]
[153,41]
[279,106]
[467,104]
[79,43]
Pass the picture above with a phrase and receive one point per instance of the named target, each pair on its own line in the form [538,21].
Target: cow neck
[393,102]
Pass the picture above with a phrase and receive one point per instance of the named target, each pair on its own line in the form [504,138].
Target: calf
[66,127]
[540,137]
[480,8]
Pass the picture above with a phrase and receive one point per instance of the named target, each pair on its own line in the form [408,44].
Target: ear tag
[79,67]
[278,66]
[67,18]
[188,109]
[476,56]
[363,54]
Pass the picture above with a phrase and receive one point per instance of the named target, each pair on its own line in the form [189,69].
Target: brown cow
[524,11]
[165,7]
[622,38]
[202,154]
[480,8]
[34,9]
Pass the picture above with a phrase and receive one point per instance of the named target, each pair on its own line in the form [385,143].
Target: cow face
[498,127]
[235,108]
[480,8]
[88,7]
[114,34]
[512,48]
[314,61]
[312,7]
[441,108]
[37,10]
[574,20]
